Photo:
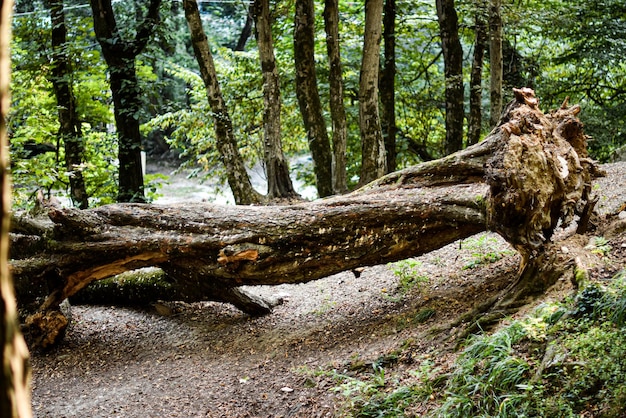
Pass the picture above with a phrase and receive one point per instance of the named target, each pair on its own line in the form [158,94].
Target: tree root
[554,262]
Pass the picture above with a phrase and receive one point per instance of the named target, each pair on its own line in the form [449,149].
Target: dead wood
[529,175]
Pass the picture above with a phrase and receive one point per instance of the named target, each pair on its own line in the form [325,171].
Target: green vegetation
[410,278]
[557,49]
[485,249]
[562,360]
[599,245]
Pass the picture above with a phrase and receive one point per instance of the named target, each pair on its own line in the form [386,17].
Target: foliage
[408,273]
[489,377]
[190,130]
[419,103]
[564,359]
[599,245]
[558,49]
[33,116]
[485,249]
[371,397]
[581,58]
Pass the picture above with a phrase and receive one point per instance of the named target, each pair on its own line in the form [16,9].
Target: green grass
[566,359]
[372,396]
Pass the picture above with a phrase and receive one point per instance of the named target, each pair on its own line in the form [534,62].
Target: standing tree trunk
[388,85]
[246,31]
[238,178]
[308,95]
[474,120]
[495,60]
[14,370]
[337,108]
[453,69]
[120,56]
[373,158]
[69,129]
[278,181]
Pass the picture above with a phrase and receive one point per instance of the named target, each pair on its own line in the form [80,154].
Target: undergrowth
[409,275]
[485,249]
[566,359]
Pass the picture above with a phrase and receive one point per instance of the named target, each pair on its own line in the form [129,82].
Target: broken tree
[530,174]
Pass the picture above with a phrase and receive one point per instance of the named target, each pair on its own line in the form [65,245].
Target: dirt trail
[210,360]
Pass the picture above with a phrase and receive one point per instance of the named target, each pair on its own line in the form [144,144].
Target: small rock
[286,389]
[162,309]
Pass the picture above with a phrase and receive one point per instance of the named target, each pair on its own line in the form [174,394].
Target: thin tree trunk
[246,31]
[69,129]
[453,69]
[14,370]
[127,103]
[337,108]
[238,178]
[277,169]
[373,158]
[495,60]
[474,120]
[388,85]
[308,95]
[120,56]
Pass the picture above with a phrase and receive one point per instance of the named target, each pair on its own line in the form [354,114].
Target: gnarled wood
[530,174]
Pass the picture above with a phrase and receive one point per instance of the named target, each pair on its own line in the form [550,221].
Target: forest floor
[210,360]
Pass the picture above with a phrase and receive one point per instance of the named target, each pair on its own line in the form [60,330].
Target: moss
[581,276]
[133,288]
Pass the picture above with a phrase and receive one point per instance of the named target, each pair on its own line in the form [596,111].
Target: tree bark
[388,85]
[277,169]
[495,60]
[238,178]
[308,95]
[14,370]
[120,57]
[453,71]
[337,108]
[373,159]
[69,129]
[209,251]
[246,31]
[474,120]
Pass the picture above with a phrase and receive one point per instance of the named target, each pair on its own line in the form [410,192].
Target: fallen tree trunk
[207,248]
[530,173]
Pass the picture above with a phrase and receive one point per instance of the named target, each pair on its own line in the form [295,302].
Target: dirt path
[210,360]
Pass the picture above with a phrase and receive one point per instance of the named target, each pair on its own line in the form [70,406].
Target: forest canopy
[555,48]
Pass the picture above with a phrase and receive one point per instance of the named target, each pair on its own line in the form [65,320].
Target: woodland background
[557,48]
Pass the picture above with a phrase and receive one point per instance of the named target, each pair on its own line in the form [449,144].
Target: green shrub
[408,273]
